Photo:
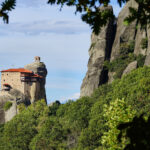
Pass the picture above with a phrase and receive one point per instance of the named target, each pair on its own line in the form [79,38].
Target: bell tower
[37,59]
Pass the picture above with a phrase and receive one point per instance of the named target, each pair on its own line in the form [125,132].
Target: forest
[112,119]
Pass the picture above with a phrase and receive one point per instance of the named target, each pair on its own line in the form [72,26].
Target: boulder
[130,67]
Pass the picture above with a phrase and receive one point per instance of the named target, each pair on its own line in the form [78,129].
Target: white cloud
[75,96]
[43,27]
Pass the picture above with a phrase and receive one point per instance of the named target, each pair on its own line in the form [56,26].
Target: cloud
[43,27]
[75,96]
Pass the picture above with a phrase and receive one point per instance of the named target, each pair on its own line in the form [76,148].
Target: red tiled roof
[17,70]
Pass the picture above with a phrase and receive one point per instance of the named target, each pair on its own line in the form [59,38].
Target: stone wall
[13,79]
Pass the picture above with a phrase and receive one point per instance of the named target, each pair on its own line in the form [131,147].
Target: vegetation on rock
[7,105]
[144,43]
[126,56]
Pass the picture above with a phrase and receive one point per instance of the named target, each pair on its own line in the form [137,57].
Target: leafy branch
[6,6]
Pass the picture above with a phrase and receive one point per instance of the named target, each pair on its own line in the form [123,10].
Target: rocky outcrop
[11,112]
[130,67]
[15,97]
[37,90]
[104,47]
[124,33]
[99,51]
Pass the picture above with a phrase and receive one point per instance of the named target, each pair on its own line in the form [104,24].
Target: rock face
[15,97]
[123,33]
[99,51]
[37,90]
[107,45]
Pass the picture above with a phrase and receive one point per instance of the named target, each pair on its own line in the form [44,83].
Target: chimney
[37,59]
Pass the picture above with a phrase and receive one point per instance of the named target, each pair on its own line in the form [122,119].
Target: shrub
[144,43]
[126,48]
[7,105]
[21,107]
[140,60]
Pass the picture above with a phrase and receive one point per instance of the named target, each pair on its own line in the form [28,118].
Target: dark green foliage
[50,136]
[142,14]
[53,108]
[126,48]
[7,105]
[126,56]
[140,60]
[118,65]
[77,113]
[6,6]
[144,43]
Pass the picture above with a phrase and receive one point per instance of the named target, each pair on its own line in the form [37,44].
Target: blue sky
[61,39]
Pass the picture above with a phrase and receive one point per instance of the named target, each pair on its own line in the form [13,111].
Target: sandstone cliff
[122,47]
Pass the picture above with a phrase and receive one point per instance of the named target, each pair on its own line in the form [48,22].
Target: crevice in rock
[109,43]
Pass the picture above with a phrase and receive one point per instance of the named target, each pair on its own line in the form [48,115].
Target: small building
[18,78]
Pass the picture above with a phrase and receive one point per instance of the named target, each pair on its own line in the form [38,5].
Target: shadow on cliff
[138,132]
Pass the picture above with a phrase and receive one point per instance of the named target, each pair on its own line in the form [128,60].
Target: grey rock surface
[124,33]
[14,96]
[38,68]
[37,90]
[99,51]
[130,67]
[11,112]
[140,35]
[147,60]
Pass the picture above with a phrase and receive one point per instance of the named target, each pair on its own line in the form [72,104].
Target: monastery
[29,81]
[22,85]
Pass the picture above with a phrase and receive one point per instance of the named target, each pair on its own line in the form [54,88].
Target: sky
[60,38]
